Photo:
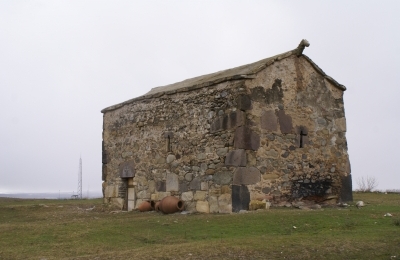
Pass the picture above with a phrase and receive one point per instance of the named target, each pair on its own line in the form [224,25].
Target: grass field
[64,229]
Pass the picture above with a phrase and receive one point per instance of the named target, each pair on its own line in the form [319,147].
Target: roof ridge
[246,71]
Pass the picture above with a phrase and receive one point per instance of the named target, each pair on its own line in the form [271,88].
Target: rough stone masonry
[273,130]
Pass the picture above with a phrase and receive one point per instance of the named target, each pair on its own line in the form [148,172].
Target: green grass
[63,229]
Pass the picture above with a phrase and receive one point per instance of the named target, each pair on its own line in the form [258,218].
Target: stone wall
[277,137]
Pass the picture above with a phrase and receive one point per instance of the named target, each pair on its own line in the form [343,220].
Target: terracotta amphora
[157,206]
[145,206]
[171,204]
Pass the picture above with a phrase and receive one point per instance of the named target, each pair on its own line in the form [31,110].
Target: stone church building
[272,130]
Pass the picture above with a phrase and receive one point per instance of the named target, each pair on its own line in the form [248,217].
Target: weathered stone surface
[183,187]
[172,183]
[236,158]
[269,121]
[236,118]
[200,195]
[272,153]
[161,186]
[222,178]
[118,202]
[285,122]
[162,195]
[229,121]
[127,169]
[270,176]
[268,96]
[225,203]
[201,156]
[346,192]
[256,204]
[266,190]
[111,191]
[189,176]
[186,196]
[202,207]
[213,202]
[243,102]
[222,151]
[240,198]
[225,189]
[203,167]
[246,175]
[152,186]
[322,121]
[144,194]
[245,138]
[131,205]
[341,124]
[190,206]
[285,154]
[195,184]
[131,194]
[154,197]
[104,172]
[170,158]
[210,171]
[204,186]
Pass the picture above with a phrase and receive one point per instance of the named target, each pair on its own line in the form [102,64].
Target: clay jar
[170,205]
[157,206]
[145,206]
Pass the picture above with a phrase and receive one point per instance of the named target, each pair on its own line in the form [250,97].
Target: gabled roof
[242,72]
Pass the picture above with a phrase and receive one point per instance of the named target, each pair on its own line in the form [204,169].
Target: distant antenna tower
[80,179]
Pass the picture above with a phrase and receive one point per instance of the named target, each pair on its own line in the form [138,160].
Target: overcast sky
[61,62]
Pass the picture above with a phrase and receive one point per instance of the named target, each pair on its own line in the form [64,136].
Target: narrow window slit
[168,143]
[301,138]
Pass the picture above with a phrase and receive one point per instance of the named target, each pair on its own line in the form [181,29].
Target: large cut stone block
[111,191]
[172,183]
[131,194]
[346,193]
[213,202]
[203,207]
[240,198]
[187,196]
[127,169]
[200,195]
[236,118]
[131,205]
[162,195]
[118,202]
[225,203]
[269,121]
[245,138]
[246,175]
[236,158]
[243,102]
[285,122]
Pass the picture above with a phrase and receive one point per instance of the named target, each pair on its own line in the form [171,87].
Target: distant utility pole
[80,179]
